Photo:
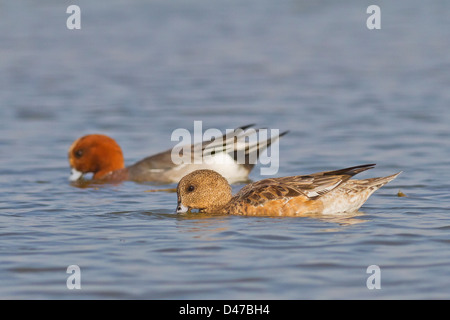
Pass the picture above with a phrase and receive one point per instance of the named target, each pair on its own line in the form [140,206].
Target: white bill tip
[181,208]
[75,174]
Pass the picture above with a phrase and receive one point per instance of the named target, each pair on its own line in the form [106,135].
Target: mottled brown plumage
[323,193]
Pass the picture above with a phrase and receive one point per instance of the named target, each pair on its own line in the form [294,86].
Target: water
[137,70]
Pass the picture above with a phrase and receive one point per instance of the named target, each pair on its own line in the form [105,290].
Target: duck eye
[78,154]
[190,188]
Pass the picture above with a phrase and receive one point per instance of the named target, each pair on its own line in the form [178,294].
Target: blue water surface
[137,70]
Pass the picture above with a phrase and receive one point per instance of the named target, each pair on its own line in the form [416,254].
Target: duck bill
[75,175]
[181,208]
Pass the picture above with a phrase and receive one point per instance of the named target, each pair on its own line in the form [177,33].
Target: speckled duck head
[205,190]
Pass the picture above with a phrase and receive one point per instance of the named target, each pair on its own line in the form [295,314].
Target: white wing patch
[316,193]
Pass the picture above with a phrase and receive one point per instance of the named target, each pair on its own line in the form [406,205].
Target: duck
[102,156]
[322,193]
